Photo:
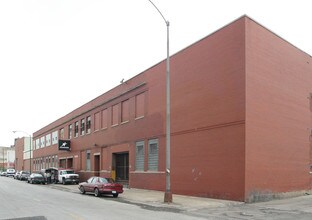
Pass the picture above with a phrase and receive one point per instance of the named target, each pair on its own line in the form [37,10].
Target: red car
[100,185]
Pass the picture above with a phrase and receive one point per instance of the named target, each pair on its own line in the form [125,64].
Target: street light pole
[168,194]
[29,148]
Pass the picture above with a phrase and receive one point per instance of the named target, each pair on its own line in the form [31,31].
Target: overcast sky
[57,55]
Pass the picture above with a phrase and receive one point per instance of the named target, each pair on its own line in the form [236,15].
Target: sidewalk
[155,199]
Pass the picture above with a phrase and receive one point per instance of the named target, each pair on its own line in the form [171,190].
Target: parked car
[10,172]
[3,173]
[100,185]
[64,176]
[16,175]
[36,178]
[23,175]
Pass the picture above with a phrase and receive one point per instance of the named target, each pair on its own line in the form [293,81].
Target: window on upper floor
[48,140]
[62,133]
[125,111]
[88,126]
[115,110]
[82,126]
[42,141]
[54,137]
[104,115]
[70,130]
[139,105]
[76,128]
[97,121]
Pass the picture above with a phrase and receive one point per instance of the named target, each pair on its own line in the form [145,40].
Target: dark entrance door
[96,165]
[121,161]
[69,163]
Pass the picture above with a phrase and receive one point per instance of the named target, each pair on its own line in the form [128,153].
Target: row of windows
[152,163]
[101,119]
[100,122]
[45,162]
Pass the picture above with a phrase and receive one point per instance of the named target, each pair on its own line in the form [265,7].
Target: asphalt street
[19,200]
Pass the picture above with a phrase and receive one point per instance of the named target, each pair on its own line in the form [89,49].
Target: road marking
[75,216]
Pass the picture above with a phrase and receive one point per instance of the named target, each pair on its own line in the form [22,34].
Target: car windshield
[106,180]
[68,172]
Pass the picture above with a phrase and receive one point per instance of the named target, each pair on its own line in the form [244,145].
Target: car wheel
[115,195]
[82,190]
[97,192]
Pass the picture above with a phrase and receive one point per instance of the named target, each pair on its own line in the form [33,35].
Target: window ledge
[138,118]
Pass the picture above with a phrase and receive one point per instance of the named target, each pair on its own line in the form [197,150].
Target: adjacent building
[240,121]
[23,153]
[7,157]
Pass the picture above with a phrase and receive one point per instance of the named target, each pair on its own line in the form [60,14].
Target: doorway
[70,163]
[121,166]
[97,165]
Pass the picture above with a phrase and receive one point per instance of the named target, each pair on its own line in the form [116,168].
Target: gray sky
[57,55]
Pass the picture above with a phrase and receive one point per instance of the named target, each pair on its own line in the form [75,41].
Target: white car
[10,172]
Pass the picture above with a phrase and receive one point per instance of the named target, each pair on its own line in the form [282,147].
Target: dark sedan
[100,185]
[23,175]
[36,178]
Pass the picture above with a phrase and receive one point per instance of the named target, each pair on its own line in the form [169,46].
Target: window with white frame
[42,141]
[55,137]
[37,143]
[48,140]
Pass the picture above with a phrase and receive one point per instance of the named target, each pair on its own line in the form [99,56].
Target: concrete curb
[154,200]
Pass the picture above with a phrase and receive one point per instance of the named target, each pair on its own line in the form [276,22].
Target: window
[62,133]
[70,130]
[56,161]
[139,156]
[82,126]
[115,115]
[55,137]
[37,142]
[139,105]
[104,118]
[97,121]
[48,140]
[125,111]
[88,162]
[76,128]
[88,125]
[42,141]
[153,155]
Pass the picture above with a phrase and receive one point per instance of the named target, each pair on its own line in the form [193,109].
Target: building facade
[240,121]
[7,158]
[23,153]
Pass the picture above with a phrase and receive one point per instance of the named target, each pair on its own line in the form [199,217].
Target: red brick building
[19,154]
[22,153]
[240,120]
